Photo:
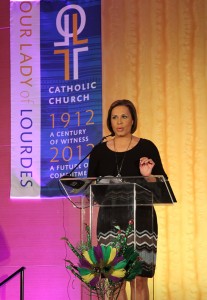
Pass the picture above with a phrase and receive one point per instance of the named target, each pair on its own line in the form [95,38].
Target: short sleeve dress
[103,162]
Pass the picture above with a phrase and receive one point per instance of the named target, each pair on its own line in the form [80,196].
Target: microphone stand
[69,174]
[76,185]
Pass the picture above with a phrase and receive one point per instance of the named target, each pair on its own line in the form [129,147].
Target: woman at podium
[128,155]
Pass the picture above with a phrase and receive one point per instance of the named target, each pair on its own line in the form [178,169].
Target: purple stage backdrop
[56,119]
[56,92]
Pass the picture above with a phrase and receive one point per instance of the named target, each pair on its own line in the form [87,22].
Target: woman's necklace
[119,168]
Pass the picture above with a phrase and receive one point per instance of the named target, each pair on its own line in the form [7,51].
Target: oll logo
[71,33]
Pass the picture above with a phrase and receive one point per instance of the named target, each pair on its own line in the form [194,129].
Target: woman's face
[121,120]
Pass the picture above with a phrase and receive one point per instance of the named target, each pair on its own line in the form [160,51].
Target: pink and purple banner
[56,92]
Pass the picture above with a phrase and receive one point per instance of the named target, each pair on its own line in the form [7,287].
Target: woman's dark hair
[132,109]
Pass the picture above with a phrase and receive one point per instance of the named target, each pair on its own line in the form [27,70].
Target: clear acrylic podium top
[117,191]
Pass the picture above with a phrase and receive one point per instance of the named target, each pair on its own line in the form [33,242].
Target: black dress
[103,162]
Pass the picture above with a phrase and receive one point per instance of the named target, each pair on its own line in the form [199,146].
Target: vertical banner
[25,99]
[56,84]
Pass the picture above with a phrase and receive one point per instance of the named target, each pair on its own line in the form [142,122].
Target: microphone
[105,137]
[69,174]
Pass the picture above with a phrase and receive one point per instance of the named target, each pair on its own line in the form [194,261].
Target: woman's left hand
[145,166]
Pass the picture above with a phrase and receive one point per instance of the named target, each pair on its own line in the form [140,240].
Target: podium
[110,205]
